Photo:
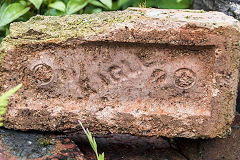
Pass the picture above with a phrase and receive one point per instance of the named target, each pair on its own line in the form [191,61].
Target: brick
[213,149]
[146,72]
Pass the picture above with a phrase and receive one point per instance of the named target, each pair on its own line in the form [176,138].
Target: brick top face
[148,72]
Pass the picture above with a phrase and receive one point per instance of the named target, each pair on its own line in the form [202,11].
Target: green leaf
[5,96]
[59,13]
[3,7]
[94,145]
[24,3]
[92,142]
[7,31]
[1,124]
[74,6]
[36,3]
[1,38]
[114,6]
[2,112]
[12,12]
[52,12]
[98,4]
[108,3]
[3,109]
[58,5]
[96,10]
[93,9]
[45,2]
[101,156]
[121,3]
[2,28]
[171,4]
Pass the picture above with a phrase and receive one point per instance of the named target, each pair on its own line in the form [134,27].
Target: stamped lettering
[184,78]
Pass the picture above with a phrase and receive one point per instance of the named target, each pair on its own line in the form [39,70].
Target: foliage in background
[22,10]
[92,142]
[4,101]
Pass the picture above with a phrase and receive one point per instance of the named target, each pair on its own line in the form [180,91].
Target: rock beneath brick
[128,147]
[164,154]
[146,72]
[238,97]
[213,149]
[107,141]
[229,7]
[16,145]
[236,122]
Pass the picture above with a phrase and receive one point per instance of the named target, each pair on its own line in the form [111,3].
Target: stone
[15,145]
[128,147]
[225,148]
[144,72]
[238,97]
[229,7]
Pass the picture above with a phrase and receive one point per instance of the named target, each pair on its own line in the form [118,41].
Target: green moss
[46,141]
[202,11]
[63,28]
[195,11]
[142,13]
[83,26]
[38,17]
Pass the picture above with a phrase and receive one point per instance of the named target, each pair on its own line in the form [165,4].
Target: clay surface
[141,71]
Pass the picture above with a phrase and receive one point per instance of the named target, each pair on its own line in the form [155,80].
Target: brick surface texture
[144,72]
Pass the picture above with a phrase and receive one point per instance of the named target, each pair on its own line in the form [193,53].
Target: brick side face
[142,72]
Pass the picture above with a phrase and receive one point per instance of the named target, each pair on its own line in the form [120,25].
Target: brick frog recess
[145,72]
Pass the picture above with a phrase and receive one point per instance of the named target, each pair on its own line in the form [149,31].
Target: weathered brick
[214,149]
[146,72]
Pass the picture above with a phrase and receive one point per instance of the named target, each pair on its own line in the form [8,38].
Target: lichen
[59,29]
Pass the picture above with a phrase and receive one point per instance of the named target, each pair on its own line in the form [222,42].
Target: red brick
[145,72]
